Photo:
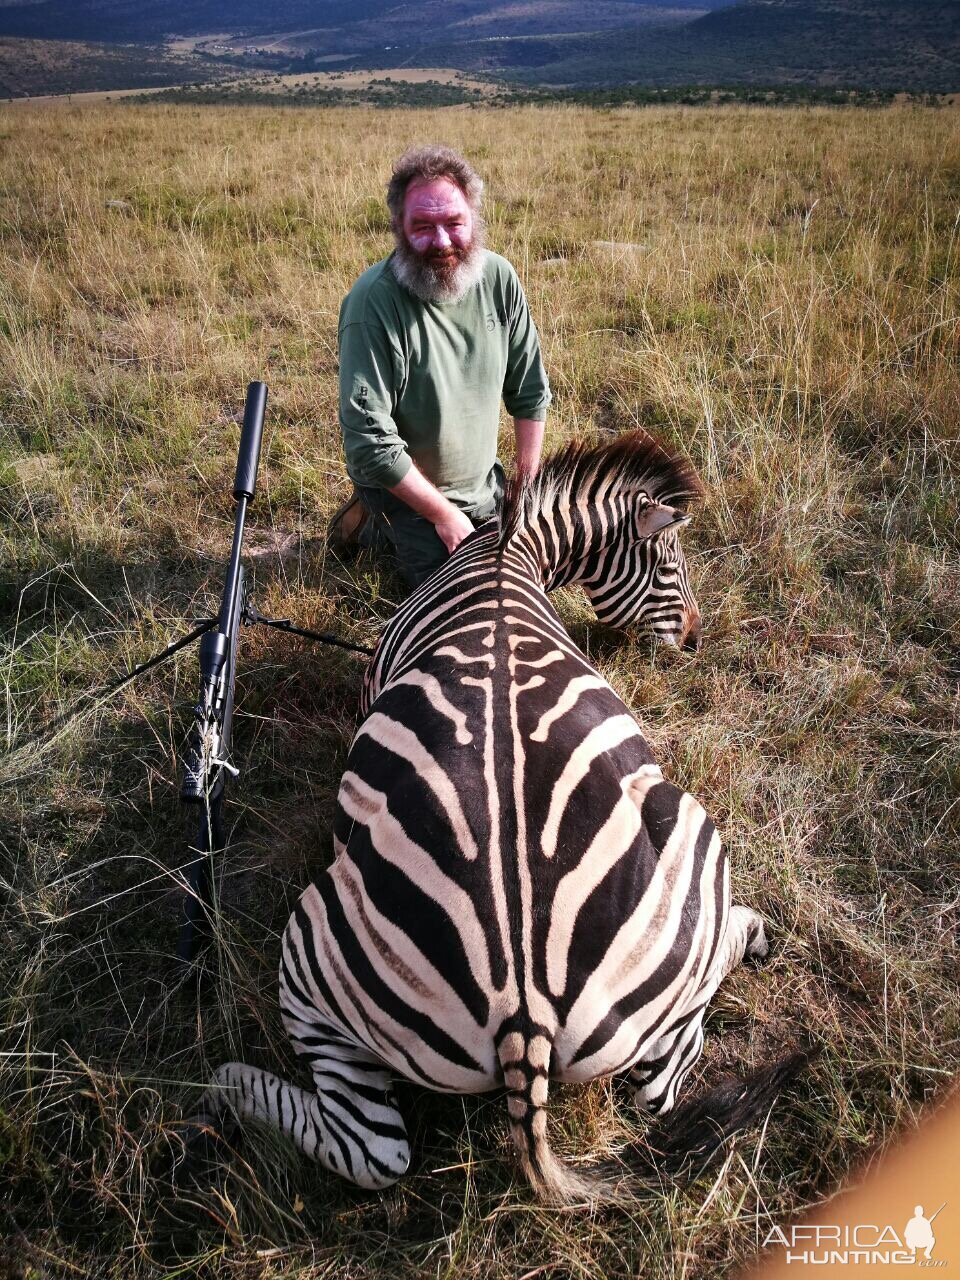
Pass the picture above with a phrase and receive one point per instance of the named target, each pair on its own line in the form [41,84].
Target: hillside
[30,67]
[911,45]
[883,44]
[332,25]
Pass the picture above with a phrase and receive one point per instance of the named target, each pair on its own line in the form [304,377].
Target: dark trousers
[411,537]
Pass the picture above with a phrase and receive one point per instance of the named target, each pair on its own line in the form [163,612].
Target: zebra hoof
[207,1144]
[758,948]
[653,1103]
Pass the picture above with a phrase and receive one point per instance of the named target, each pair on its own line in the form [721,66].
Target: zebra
[518,895]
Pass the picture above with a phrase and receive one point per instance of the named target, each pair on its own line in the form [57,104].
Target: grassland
[774,290]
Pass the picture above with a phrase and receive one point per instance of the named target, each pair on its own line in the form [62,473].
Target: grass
[773,290]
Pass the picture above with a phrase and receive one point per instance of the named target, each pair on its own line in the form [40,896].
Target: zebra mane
[635,460]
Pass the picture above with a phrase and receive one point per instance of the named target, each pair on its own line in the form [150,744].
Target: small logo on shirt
[362,402]
[493,318]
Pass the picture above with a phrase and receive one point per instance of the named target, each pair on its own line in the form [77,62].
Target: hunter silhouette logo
[918,1233]
[820,1244]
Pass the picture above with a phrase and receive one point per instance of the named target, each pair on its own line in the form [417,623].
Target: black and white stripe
[518,894]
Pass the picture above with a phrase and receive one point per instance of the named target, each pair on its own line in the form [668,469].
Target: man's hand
[451,524]
[452,531]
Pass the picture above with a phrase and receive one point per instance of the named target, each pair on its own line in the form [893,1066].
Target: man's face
[438,225]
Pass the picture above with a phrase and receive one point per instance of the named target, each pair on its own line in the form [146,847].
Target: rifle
[207,759]
[208,745]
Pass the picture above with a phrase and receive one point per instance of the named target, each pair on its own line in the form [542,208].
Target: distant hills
[886,45]
[31,67]
[334,26]
[911,45]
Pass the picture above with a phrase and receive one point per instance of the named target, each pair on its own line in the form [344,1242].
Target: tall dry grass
[776,291]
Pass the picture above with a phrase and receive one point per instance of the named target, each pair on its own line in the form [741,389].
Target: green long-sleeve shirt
[422,381]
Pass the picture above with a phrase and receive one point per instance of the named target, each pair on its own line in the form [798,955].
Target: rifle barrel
[244,488]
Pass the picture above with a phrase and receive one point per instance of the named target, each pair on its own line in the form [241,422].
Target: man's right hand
[453,529]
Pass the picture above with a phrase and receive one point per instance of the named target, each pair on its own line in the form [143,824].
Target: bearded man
[431,339]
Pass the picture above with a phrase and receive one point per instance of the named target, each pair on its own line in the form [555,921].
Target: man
[430,340]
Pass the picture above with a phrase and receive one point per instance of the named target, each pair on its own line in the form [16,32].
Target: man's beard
[434,278]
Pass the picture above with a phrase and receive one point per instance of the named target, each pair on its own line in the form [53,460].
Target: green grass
[776,292]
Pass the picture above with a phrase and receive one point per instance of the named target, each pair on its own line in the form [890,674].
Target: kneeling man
[431,339]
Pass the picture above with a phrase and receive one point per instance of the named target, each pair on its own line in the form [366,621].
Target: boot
[343,529]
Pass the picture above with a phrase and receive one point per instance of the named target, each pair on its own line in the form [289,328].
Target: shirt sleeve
[371,371]
[526,391]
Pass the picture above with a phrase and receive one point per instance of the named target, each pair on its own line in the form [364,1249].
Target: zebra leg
[745,936]
[355,1089]
[661,1072]
[350,1125]
[657,1077]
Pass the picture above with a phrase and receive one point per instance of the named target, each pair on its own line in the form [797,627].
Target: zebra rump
[518,895]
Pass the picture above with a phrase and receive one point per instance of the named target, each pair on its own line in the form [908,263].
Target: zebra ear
[655,516]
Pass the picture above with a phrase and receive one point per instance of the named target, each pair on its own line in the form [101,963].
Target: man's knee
[375,535]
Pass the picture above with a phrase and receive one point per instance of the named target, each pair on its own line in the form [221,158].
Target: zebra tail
[686,1140]
[679,1146]
[525,1060]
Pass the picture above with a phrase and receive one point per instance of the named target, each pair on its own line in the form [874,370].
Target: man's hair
[423,164]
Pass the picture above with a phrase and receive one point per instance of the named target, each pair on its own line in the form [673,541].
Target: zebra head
[609,518]
[643,581]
